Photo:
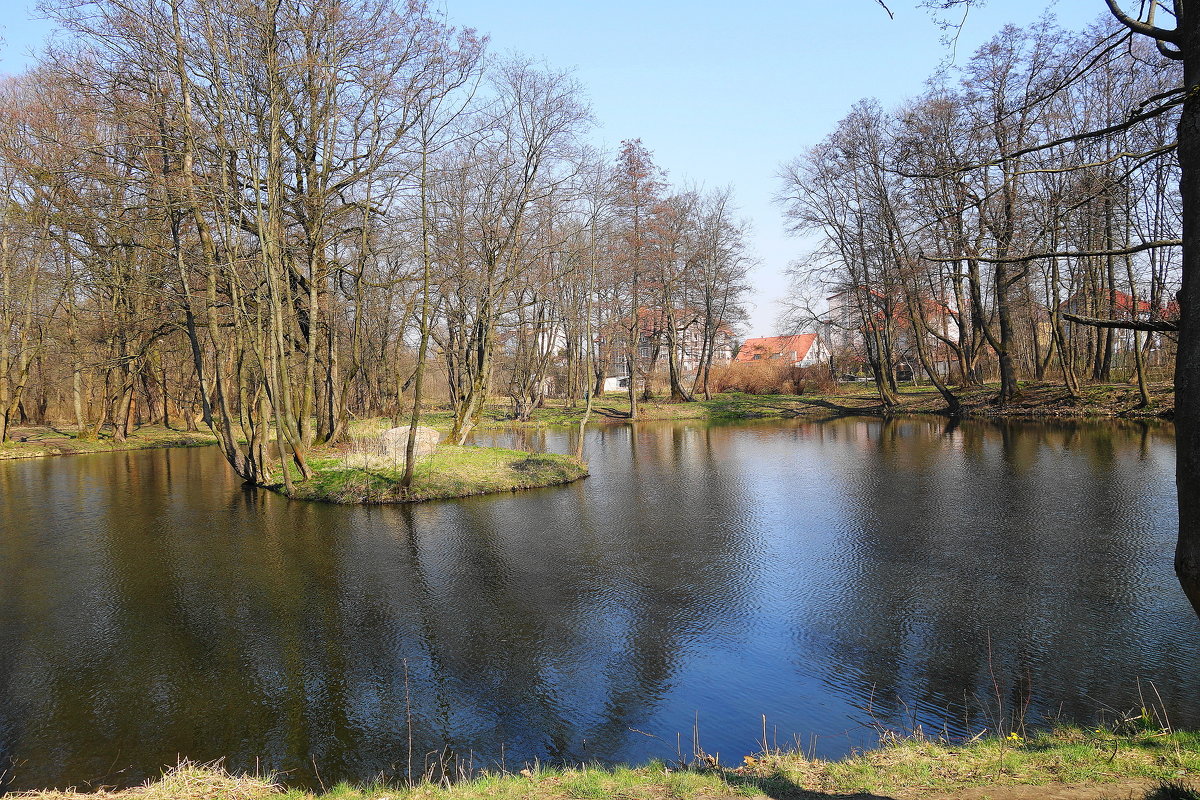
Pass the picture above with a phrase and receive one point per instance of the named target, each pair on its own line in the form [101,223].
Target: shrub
[815,380]
[771,377]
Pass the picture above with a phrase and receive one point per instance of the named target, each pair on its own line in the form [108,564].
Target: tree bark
[1187,360]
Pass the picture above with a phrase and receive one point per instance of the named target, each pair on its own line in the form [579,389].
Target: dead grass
[770,377]
[185,781]
[32,442]
[1066,755]
[1037,400]
[452,471]
[1158,765]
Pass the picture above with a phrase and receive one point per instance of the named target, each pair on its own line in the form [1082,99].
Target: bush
[815,380]
[771,377]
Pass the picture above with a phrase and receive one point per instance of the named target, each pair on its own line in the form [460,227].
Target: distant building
[616,383]
[689,339]
[1117,305]
[1120,307]
[801,350]
[853,312]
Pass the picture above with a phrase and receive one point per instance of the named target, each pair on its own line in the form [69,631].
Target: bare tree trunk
[1187,360]
[410,447]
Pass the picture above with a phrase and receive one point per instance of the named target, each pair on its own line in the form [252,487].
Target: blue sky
[722,93]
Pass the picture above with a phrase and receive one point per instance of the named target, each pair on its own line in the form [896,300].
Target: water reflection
[151,607]
[1034,557]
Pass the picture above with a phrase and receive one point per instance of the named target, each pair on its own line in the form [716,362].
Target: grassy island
[1074,763]
[452,471]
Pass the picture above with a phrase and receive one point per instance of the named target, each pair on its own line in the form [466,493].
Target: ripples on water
[823,574]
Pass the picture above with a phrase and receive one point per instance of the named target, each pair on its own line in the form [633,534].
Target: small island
[366,468]
[369,468]
[450,471]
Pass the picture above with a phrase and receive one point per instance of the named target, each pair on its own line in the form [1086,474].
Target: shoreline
[1038,401]
[1066,762]
[460,471]
[48,442]
[451,472]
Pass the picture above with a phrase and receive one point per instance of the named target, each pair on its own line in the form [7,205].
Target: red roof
[1122,303]
[791,348]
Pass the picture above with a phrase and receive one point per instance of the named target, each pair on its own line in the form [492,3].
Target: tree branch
[1144,28]
[1152,326]
[1132,120]
[1166,148]
[1174,55]
[1124,251]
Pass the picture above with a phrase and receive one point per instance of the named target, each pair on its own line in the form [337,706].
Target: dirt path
[1122,790]
[1125,790]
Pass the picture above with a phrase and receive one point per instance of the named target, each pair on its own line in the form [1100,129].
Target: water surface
[831,576]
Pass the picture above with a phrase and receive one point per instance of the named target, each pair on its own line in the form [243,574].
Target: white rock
[394,442]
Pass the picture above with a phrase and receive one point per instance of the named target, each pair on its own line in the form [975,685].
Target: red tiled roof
[782,346]
[1123,304]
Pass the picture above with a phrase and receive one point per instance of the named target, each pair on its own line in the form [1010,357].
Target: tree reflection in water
[152,607]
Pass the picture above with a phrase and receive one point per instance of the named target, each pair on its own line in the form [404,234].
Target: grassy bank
[1068,762]
[1037,400]
[33,442]
[452,471]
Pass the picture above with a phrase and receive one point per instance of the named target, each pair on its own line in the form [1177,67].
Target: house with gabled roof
[848,322]
[1120,306]
[1114,304]
[801,350]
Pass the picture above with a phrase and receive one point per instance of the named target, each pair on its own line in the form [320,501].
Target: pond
[835,577]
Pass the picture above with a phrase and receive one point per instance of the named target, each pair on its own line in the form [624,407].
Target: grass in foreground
[1165,765]
[452,471]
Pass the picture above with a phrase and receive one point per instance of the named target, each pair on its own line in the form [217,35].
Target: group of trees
[268,218]
[952,238]
[1058,167]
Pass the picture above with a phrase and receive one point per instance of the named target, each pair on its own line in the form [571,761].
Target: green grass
[1038,399]
[1065,755]
[47,441]
[1169,763]
[1044,399]
[452,471]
